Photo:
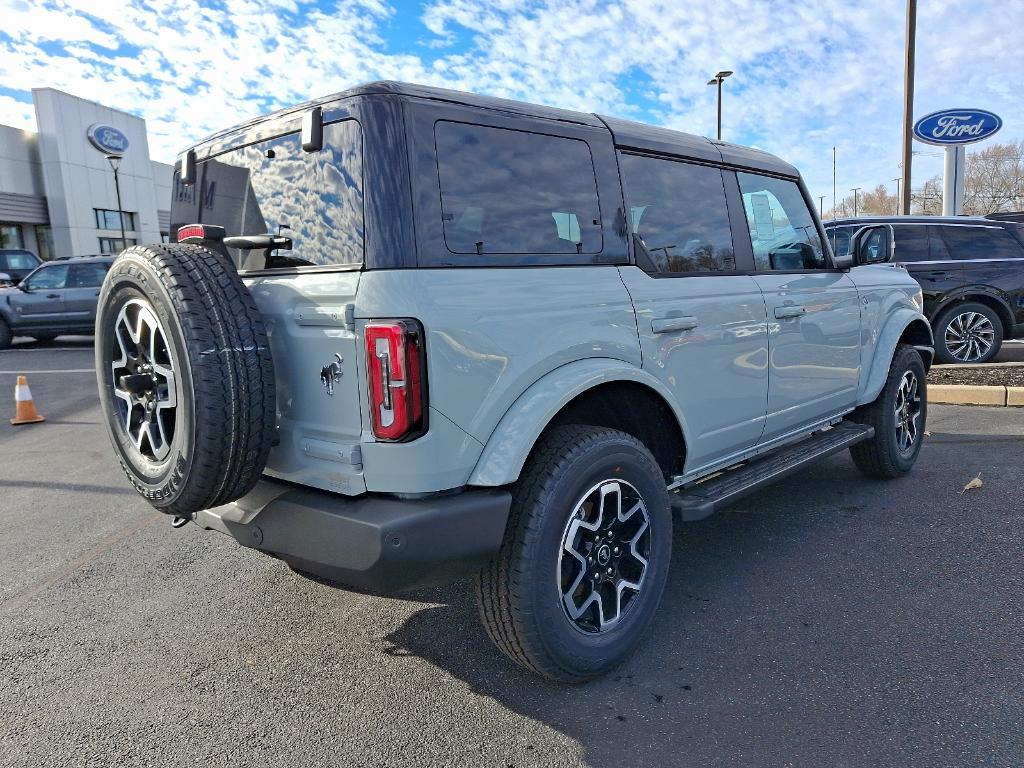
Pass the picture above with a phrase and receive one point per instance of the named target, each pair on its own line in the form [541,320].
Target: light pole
[898,180]
[115,163]
[717,80]
[855,190]
[821,205]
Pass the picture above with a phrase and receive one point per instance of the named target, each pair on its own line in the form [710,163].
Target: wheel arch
[604,392]
[904,327]
[996,303]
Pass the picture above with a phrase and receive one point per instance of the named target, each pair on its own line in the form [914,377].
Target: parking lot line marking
[20,596]
[22,371]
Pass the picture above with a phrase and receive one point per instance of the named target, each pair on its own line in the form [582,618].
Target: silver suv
[407,335]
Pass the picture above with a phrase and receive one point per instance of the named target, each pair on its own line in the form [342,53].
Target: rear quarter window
[274,187]
[507,191]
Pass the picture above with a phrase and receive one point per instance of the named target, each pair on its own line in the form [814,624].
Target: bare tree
[993,181]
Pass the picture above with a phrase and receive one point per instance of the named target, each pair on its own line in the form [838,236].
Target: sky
[808,75]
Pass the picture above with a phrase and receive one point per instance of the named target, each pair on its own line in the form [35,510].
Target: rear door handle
[782,313]
[940,275]
[669,324]
[53,295]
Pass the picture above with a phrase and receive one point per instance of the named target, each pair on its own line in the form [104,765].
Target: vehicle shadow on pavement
[701,682]
[813,623]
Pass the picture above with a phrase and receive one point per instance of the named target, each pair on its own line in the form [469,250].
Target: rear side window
[508,191]
[87,275]
[782,228]
[274,187]
[981,243]
[911,243]
[679,214]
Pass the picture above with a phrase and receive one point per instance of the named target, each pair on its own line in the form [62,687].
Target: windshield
[274,187]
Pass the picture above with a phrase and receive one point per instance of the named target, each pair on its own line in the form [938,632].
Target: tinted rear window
[508,191]
[274,187]
[679,212]
[980,243]
[911,243]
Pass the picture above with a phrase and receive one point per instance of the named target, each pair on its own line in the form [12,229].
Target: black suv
[57,298]
[971,270]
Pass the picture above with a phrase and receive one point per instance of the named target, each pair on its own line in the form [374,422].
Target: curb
[969,394]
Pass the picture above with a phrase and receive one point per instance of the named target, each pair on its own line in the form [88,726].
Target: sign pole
[953,180]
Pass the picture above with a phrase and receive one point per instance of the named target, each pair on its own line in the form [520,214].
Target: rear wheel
[898,415]
[968,333]
[185,376]
[585,557]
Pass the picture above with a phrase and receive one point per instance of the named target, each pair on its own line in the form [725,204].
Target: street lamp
[115,163]
[717,80]
[855,190]
[898,198]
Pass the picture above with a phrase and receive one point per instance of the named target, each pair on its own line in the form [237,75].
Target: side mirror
[873,245]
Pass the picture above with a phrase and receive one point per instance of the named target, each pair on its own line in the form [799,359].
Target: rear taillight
[396,366]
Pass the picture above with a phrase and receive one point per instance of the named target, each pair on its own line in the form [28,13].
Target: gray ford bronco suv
[406,335]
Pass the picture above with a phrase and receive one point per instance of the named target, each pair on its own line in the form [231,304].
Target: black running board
[705,498]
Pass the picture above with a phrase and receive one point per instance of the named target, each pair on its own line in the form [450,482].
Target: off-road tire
[879,456]
[517,593]
[942,352]
[5,334]
[224,425]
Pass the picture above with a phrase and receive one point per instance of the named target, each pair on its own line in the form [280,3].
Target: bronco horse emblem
[330,374]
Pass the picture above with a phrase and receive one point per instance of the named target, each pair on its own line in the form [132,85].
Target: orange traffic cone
[26,409]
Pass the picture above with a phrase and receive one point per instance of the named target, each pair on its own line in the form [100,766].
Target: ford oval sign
[957,126]
[107,138]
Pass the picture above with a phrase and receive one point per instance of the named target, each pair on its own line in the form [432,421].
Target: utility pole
[717,80]
[908,104]
[855,190]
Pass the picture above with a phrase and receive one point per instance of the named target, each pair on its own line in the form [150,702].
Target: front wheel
[585,557]
[898,415]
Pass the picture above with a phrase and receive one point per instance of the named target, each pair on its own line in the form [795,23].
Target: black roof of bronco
[626,133]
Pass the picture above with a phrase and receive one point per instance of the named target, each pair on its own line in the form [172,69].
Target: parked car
[971,270]
[54,299]
[17,263]
[409,334]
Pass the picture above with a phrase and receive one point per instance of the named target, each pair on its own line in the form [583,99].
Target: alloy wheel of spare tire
[185,376]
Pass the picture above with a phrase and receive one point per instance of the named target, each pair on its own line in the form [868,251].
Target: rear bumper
[374,543]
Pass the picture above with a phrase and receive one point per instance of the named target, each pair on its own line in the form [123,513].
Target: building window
[110,220]
[115,244]
[165,237]
[44,241]
[10,236]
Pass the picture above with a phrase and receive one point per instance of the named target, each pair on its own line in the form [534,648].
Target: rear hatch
[306,293]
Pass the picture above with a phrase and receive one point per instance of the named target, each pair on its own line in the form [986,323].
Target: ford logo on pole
[957,126]
[106,138]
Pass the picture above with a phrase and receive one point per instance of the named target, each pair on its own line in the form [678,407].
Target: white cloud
[808,77]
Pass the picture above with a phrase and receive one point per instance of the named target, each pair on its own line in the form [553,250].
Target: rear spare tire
[185,375]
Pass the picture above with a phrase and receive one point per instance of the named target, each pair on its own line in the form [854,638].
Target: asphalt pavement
[829,621]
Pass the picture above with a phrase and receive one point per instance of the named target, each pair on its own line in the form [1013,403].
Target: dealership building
[57,186]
